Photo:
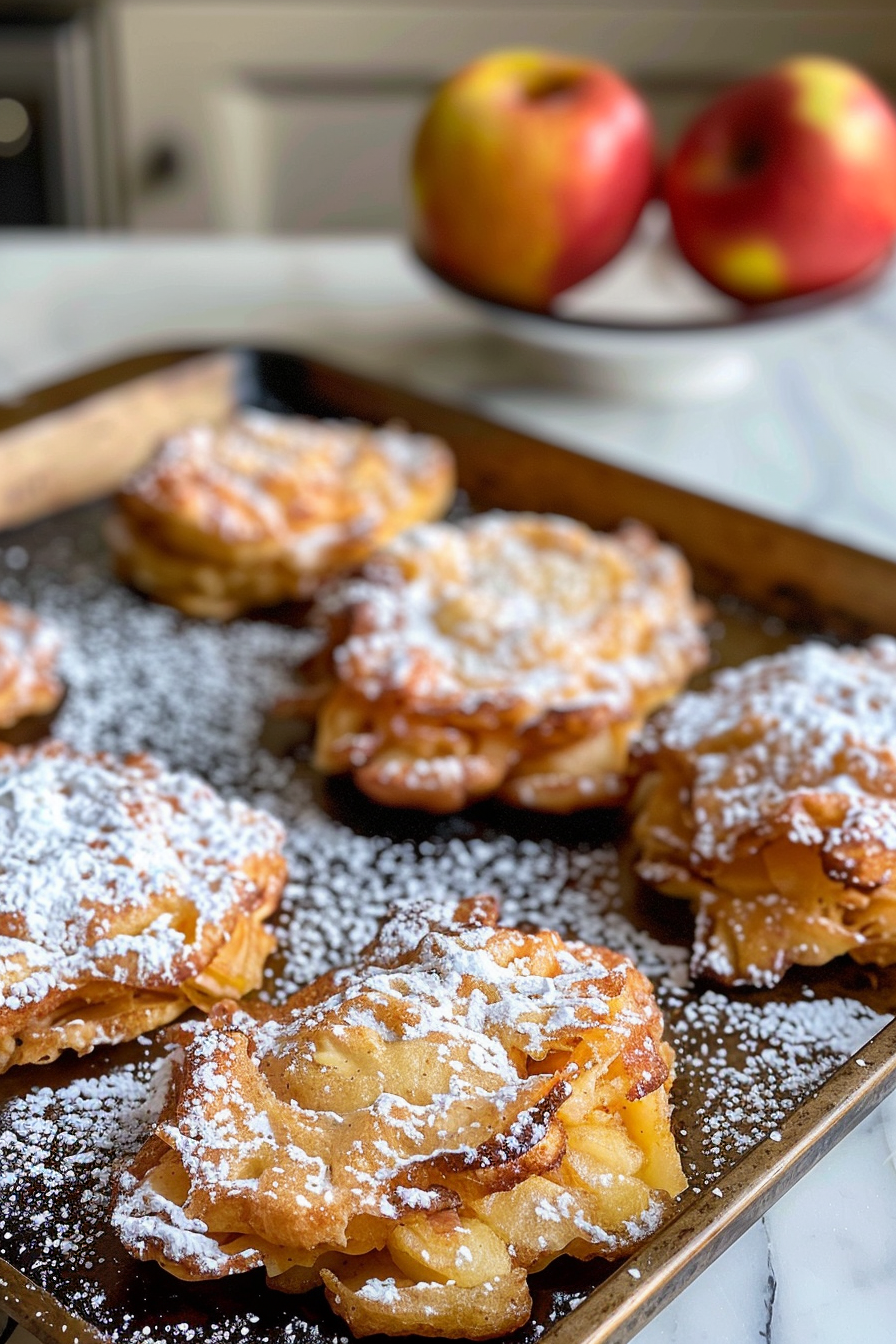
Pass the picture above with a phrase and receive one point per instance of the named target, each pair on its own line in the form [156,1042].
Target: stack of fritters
[30,686]
[265,508]
[770,802]
[514,654]
[418,1131]
[128,893]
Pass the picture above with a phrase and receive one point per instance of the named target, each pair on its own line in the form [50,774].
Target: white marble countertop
[811,440]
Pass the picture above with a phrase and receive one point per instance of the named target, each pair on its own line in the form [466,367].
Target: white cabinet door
[298,156]
[281,114]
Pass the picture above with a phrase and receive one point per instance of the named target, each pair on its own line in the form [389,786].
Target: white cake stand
[648,328]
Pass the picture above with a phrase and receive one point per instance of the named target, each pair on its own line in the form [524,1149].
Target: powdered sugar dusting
[99,858]
[767,737]
[267,477]
[528,611]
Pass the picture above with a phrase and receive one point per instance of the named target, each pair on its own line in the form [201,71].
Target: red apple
[529,172]
[787,182]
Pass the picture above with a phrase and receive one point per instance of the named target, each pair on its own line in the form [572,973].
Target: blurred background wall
[286,115]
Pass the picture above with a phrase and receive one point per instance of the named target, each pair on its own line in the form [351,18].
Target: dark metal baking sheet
[767,593]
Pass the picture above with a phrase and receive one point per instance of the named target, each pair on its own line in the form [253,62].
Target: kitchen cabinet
[281,115]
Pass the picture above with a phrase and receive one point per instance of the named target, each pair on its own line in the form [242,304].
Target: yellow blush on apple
[787,182]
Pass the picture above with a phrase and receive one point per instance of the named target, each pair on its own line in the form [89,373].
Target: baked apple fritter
[265,508]
[417,1131]
[769,801]
[511,655]
[128,894]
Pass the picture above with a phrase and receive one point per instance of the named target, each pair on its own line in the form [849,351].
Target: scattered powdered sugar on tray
[757,1062]
[141,677]
[63,1142]
[542,883]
